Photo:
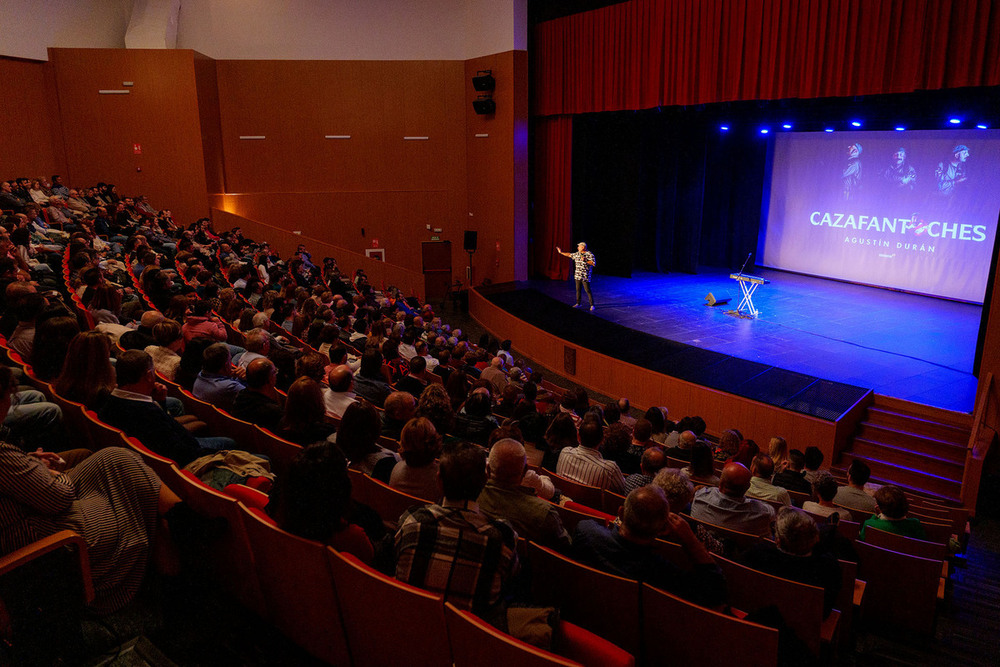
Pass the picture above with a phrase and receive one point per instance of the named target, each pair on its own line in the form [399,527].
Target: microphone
[749,255]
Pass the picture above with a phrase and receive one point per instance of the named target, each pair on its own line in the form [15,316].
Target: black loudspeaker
[484,107]
[484,81]
[471,241]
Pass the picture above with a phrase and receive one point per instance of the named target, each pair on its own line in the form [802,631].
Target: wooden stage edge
[643,387]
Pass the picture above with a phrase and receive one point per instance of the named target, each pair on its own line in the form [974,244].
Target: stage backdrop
[913,210]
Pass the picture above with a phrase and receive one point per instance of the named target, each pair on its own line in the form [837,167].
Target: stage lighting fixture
[900,128]
[983,126]
[856,123]
[829,129]
[723,128]
[764,130]
[954,121]
[787,126]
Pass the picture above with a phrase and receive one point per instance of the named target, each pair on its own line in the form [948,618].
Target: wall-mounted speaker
[484,107]
[484,81]
[471,241]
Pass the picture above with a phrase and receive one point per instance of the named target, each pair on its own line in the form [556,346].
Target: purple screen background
[927,237]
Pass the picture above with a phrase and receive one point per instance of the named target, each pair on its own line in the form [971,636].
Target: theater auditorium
[485,333]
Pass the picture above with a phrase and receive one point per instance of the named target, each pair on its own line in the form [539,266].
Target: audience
[417,473]
[792,477]
[761,471]
[584,463]
[218,382]
[357,438]
[302,421]
[853,496]
[825,490]
[259,403]
[890,515]
[727,505]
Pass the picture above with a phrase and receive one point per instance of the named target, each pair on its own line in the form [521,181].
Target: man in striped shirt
[586,465]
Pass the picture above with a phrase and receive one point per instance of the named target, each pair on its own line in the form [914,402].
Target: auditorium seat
[388,622]
[600,602]
[681,633]
[387,502]
[591,496]
[901,591]
[612,502]
[281,452]
[572,513]
[476,643]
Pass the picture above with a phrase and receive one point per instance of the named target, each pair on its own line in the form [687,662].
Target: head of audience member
[478,405]
[795,532]
[30,306]
[457,386]
[400,406]
[168,334]
[358,431]
[762,466]
[258,341]
[677,487]
[262,377]
[777,449]
[825,488]
[462,471]
[591,434]
[702,465]
[312,500]
[657,421]
[215,360]
[734,480]
[858,473]
[642,431]
[687,439]
[624,406]
[417,366]
[311,365]
[616,441]
[435,405]
[52,338]
[419,443]
[892,503]
[814,458]
[340,379]
[644,515]
[796,460]
[371,364]
[747,451]
[652,461]
[87,376]
[507,462]
[561,433]
[135,373]
[304,406]
[729,441]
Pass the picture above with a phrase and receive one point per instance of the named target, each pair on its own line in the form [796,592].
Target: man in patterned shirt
[453,548]
[585,263]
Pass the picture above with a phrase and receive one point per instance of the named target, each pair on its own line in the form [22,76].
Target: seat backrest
[800,605]
[244,433]
[901,590]
[849,530]
[571,515]
[681,633]
[476,643]
[575,643]
[388,622]
[612,502]
[101,435]
[738,541]
[798,497]
[75,420]
[906,545]
[603,603]
[591,496]
[298,590]
[387,502]
[281,452]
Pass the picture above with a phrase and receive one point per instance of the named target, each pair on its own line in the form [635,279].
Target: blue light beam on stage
[855,123]
[955,121]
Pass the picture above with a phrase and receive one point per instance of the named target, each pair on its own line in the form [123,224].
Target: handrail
[985,426]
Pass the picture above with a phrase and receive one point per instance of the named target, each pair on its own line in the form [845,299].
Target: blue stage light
[856,123]
[900,128]
[983,126]
[954,121]
[723,128]
[829,129]
[787,126]
[764,130]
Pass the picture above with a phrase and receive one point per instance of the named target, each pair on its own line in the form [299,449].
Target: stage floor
[901,345]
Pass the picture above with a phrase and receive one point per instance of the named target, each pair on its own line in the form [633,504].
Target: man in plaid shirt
[453,548]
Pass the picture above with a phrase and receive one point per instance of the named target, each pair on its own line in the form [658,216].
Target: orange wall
[160,114]
[30,141]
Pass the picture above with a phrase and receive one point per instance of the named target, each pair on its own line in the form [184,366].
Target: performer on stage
[585,263]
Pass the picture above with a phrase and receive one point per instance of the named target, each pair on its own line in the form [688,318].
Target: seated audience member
[642,436]
[453,548]
[475,422]
[313,500]
[853,496]
[540,485]
[814,459]
[777,449]
[495,375]
[761,470]
[167,349]
[729,444]
[201,322]
[258,345]
[891,515]
[370,383]
[728,506]
[685,441]
[702,469]
[617,446]
[677,487]
[417,379]
[399,409]
[505,497]
[339,394]
[357,438]
[657,417]
[653,460]
[560,434]
[792,556]
[52,340]
[22,340]
[628,549]
[259,402]
[792,477]
[142,337]
[87,376]
[311,365]
[748,449]
[417,473]
[302,421]
[216,383]
[134,406]
[825,490]
[435,405]
[585,464]
[624,408]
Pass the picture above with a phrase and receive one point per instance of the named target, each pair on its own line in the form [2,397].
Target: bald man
[628,549]
[339,394]
[504,497]
[399,409]
[728,506]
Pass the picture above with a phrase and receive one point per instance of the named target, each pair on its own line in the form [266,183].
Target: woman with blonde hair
[778,451]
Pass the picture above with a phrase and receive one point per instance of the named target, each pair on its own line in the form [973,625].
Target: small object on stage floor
[748,285]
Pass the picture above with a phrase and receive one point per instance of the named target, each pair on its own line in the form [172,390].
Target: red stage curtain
[646,53]
[553,222]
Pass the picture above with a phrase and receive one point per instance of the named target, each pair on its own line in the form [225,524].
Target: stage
[905,346]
